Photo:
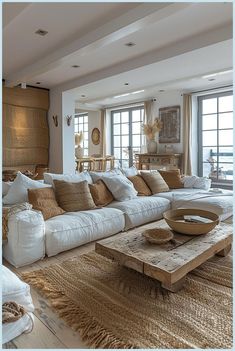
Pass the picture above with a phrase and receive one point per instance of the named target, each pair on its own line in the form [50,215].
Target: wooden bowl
[175,220]
[158,235]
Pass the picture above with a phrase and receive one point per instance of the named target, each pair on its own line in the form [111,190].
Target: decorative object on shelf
[55,119]
[95,136]
[170,132]
[69,119]
[150,130]
[169,149]
[79,152]
[179,221]
[158,235]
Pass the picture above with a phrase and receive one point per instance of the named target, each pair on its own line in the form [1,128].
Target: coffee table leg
[225,251]
[175,286]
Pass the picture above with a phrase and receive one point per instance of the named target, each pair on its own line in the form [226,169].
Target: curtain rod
[201,91]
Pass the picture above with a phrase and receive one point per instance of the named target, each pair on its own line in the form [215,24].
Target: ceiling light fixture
[130,44]
[126,94]
[41,32]
[38,82]
[75,66]
[217,74]
[211,79]
[126,83]
[161,91]
[83,96]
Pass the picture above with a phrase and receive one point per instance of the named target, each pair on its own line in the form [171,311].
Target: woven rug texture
[115,307]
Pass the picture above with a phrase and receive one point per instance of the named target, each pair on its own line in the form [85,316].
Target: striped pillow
[73,197]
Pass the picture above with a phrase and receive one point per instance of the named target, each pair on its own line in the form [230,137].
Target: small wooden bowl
[174,219]
[158,235]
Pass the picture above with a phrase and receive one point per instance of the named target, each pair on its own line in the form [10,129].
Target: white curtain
[148,111]
[187,134]
[103,131]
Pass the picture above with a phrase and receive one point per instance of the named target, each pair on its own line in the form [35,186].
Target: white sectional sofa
[30,238]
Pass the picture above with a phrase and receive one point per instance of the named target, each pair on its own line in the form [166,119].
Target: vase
[152,147]
[79,152]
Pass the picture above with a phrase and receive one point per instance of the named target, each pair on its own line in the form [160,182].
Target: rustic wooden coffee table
[168,263]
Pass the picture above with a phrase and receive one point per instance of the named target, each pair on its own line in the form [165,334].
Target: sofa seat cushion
[219,203]
[142,210]
[73,229]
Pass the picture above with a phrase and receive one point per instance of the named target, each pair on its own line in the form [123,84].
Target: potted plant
[150,130]
[79,152]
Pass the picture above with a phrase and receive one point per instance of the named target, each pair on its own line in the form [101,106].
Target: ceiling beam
[178,48]
[126,24]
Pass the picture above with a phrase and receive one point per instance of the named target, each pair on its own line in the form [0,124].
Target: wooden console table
[159,161]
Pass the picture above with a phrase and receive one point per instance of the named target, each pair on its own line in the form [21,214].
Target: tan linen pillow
[172,178]
[155,182]
[100,193]
[43,199]
[140,185]
[74,197]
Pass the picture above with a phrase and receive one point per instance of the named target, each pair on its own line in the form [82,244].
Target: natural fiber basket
[158,235]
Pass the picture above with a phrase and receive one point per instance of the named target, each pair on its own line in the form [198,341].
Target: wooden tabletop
[170,262]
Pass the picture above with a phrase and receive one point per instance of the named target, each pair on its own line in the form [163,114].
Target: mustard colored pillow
[73,197]
[100,193]
[43,199]
[172,178]
[140,185]
[155,182]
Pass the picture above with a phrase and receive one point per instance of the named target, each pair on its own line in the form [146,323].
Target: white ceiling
[176,43]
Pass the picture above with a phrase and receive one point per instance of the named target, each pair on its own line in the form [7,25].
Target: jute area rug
[115,307]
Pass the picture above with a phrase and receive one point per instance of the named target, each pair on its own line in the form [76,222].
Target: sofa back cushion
[74,178]
[99,175]
[140,185]
[73,197]
[100,193]
[44,200]
[172,178]
[196,182]
[121,187]
[18,191]
[130,172]
[155,182]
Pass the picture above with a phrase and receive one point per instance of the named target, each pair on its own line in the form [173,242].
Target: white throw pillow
[196,182]
[121,187]
[5,187]
[130,172]
[18,191]
[72,178]
[99,175]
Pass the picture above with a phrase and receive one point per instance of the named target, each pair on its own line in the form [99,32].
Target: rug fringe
[88,327]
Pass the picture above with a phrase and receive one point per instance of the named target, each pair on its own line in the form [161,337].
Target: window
[81,125]
[216,137]
[127,135]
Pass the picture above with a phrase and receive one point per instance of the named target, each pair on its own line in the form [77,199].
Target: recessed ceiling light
[41,32]
[211,79]
[83,96]
[75,66]
[38,82]
[161,91]
[126,83]
[130,44]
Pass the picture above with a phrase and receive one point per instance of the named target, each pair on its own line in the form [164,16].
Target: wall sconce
[69,119]
[55,119]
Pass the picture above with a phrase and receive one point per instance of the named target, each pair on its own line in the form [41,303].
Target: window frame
[78,116]
[130,147]
[226,182]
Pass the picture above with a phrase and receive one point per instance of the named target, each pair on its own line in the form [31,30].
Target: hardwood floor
[50,332]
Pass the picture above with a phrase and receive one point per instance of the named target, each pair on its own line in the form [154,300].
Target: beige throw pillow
[155,182]
[100,193]
[74,197]
[140,185]
[43,199]
[172,178]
